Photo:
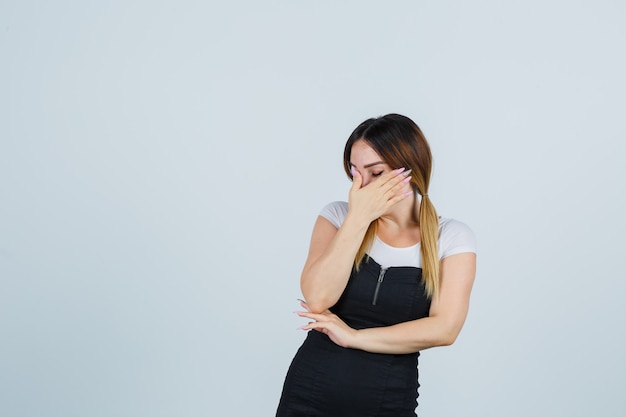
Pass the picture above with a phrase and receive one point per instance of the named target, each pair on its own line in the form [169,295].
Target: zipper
[381,276]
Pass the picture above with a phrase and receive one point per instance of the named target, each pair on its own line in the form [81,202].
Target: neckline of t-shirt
[397,247]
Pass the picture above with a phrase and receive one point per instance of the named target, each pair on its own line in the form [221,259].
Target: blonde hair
[401,143]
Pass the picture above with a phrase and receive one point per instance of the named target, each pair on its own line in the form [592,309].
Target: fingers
[397,188]
[316,325]
[397,176]
[314,316]
[373,199]
[392,180]
[399,191]
[401,187]
[399,197]
[357,179]
[304,305]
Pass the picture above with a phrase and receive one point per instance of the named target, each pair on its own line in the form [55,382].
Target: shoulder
[455,237]
[335,212]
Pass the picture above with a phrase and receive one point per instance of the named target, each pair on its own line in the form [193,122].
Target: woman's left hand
[331,325]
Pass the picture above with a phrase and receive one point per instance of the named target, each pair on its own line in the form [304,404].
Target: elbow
[317,302]
[450,337]
[313,302]
[445,331]
[317,307]
[447,337]
[447,340]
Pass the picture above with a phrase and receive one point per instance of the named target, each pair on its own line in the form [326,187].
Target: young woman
[384,279]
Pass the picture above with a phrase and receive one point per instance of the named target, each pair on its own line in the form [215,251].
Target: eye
[377,174]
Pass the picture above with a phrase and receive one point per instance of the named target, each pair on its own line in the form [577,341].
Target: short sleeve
[456,237]
[335,212]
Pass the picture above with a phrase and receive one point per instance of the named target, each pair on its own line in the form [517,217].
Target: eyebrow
[369,165]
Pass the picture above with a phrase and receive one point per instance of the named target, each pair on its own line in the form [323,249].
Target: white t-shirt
[454,237]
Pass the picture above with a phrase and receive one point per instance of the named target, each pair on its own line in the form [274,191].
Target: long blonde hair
[401,143]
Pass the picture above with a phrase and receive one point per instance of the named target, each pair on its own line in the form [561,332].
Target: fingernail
[408,193]
[301,328]
[353,171]
[407,179]
[399,170]
[296,312]
[407,172]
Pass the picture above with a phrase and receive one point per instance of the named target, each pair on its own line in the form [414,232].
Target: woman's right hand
[371,201]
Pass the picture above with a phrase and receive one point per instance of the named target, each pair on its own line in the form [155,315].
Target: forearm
[408,337]
[446,317]
[325,278]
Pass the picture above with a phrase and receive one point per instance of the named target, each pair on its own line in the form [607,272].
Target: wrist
[355,339]
[357,221]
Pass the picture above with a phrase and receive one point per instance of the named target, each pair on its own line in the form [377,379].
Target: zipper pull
[381,276]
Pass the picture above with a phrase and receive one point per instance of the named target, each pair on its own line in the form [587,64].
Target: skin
[379,193]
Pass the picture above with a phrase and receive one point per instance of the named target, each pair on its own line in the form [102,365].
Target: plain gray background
[162,164]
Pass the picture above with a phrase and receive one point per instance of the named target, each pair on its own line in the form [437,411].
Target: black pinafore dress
[326,380]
